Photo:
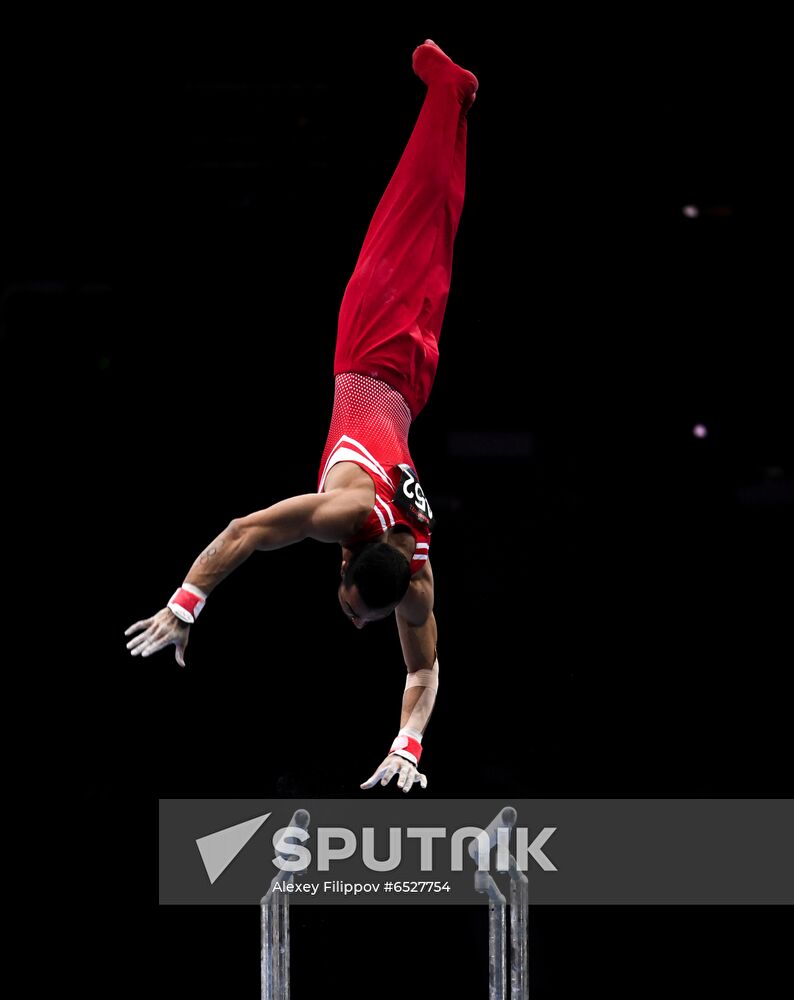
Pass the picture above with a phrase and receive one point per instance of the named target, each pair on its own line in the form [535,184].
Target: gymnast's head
[374,581]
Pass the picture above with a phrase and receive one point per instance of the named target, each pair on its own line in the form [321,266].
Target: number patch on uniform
[410,496]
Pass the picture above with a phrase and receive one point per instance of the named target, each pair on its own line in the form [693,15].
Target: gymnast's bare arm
[416,625]
[327,517]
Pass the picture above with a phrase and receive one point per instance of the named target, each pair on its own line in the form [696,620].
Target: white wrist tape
[187,602]
[408,744]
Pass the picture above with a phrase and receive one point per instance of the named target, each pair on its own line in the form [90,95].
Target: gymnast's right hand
[163,629]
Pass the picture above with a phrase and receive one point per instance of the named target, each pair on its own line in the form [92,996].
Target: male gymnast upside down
[368,497]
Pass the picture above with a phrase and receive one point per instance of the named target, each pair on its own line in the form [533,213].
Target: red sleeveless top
[369,426]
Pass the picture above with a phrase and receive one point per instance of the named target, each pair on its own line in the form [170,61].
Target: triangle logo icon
[219,849]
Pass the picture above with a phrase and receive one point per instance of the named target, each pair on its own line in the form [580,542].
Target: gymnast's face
[356,610]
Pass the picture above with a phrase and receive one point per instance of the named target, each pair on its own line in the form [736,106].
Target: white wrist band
[408,744]
[187,602]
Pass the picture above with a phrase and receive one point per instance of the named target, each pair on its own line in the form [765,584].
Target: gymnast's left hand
[394,764]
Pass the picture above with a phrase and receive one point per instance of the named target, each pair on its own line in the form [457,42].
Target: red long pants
[393,307]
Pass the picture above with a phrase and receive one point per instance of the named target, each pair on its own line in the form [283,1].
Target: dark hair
[380,572]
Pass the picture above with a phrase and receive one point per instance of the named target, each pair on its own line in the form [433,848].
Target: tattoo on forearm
[210,552]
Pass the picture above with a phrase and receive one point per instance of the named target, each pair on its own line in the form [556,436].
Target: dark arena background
[608,449]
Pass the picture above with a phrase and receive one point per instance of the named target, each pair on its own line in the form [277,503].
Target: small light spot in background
[700,431]
[691,211]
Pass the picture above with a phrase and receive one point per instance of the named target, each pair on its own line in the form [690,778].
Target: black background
[182,210]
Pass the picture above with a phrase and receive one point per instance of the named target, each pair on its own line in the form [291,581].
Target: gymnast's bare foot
[431,64]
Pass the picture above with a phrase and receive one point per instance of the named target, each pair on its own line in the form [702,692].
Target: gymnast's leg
[393,307]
